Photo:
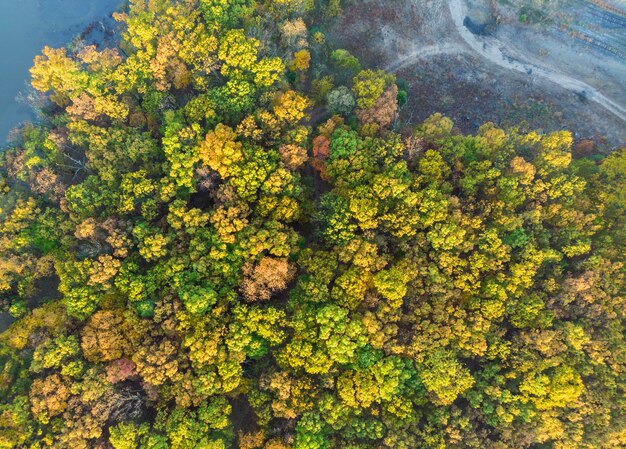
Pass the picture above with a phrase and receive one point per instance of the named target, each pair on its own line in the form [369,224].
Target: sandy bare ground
[510,58]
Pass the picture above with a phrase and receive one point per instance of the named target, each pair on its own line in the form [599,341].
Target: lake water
[25,27]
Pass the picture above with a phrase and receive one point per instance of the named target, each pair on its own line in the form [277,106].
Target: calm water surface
[25,27]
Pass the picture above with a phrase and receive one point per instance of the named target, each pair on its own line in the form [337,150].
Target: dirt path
[492,50]
[423,53]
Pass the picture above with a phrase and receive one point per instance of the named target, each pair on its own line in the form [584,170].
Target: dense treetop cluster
[221,237]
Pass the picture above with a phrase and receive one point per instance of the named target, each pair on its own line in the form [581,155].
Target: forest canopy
[222,236]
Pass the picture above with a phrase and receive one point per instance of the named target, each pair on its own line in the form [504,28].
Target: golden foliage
[267,277]
[48,397]
[219,150]
[103,338]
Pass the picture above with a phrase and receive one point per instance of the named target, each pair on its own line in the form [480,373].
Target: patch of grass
[447,101]
[528,114]
[531,15]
